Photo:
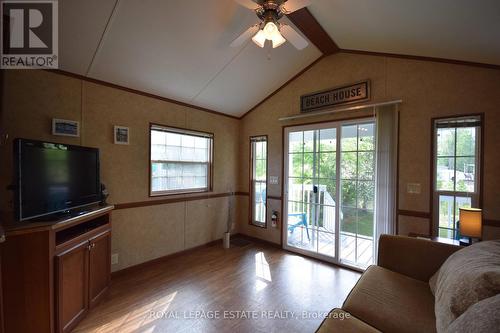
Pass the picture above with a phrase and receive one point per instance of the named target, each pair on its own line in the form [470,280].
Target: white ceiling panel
[81,24]
[170,48]
[253,75]
[453,29]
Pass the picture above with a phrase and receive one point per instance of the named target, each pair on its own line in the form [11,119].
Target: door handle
[315,189]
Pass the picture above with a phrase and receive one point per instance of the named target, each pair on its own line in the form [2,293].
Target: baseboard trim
[256,240]
[143,265]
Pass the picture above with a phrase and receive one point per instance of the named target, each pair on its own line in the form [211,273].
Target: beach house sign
[353,93]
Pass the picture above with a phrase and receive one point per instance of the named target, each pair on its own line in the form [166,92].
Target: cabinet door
[100,266]
[72,286]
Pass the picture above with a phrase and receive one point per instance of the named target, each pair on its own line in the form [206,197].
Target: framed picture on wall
[65,127]
[121,135]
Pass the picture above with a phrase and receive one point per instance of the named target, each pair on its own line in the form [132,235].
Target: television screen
[54,177]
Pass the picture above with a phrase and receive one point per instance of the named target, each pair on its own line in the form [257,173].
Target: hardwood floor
[251,288]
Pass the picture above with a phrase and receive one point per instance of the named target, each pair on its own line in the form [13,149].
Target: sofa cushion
[392,302]
[343,322]
[466,277]
[482,317]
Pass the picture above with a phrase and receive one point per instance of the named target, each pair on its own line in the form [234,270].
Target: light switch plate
[274,180]
[114,258]
[413,188]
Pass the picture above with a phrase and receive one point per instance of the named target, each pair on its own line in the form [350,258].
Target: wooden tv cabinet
[54,272]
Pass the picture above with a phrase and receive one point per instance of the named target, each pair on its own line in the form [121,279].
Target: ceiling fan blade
[292,5]
[245,36]
[250,4]
[293,37]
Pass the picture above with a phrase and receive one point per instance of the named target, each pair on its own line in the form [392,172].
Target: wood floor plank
[278,291]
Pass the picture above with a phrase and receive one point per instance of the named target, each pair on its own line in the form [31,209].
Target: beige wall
[32,98]
[427,89]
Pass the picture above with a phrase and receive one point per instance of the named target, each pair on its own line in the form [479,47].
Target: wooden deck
[357,250]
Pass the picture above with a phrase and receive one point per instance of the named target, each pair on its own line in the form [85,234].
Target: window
[181,161]
[456,170]
[258,180]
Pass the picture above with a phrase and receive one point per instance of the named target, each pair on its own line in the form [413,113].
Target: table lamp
[471,223]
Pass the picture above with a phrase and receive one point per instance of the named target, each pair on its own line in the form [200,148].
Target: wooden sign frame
[348,94]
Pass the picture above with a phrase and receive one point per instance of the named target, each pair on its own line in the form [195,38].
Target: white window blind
[181,160]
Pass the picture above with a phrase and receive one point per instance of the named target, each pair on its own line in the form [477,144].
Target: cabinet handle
[89,247]
[93,245]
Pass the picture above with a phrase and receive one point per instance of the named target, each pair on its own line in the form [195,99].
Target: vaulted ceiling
[176,49]
[180,49]
[450,29]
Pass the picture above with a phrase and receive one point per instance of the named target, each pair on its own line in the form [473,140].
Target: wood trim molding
[414,213]
[282,86]
[491,223]
[421,58]
[425,215]
[138,92]
[256,240]
[310,27]
[165,201]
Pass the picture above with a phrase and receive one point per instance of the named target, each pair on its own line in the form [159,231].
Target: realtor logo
[29,34]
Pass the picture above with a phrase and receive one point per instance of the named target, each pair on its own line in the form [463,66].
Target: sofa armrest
[339,321]
[413,257]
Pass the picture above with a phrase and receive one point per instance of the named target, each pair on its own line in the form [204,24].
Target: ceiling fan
[270,12]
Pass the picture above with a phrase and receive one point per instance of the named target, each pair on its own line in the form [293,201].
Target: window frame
[210,163]
[251,219]
[477,195]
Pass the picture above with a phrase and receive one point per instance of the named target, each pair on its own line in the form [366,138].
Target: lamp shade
[259,38]
[471,222]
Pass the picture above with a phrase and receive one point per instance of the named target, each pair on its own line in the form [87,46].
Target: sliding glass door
[311,190]
[329,191]
[357,187]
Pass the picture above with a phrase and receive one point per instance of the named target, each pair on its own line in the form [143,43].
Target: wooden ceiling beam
[310,27]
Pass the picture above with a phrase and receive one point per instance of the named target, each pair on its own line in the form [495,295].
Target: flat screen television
[54,178]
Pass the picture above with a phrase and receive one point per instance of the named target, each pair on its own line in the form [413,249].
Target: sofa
[397,294]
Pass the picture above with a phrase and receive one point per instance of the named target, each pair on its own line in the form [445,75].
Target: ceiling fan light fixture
[270,12]
[259,38]
[278,40]
[270,30]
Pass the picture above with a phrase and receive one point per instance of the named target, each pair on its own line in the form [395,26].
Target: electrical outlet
[274,180]
[114,258]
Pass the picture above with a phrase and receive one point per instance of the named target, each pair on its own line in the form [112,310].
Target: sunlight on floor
[262,267]
[260,285]
[143,315]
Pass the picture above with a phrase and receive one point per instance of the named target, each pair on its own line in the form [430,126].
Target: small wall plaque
[353,93]
[121,135]
[65,127]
